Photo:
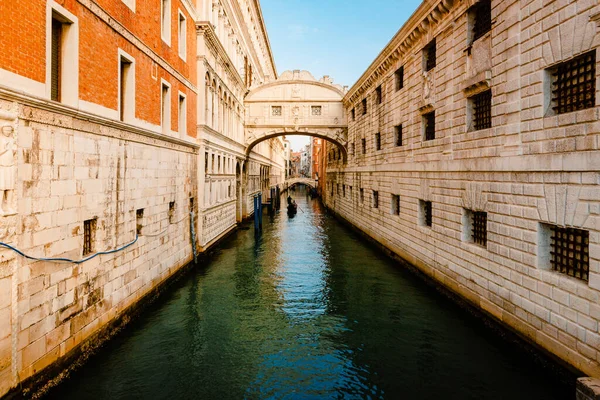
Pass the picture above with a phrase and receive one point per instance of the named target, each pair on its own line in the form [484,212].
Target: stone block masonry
[497,200]
[129,184]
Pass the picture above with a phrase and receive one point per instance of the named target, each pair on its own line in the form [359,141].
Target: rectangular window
[352,148]
[395,204]
[481,13]
[399,78]
[398,135]
[378,141]
[56,60]
[364,106]
[568,251]
[364,146]
[165,21]
[429,125]
[182,120]
[171,211]
[353,112]
[165,120]
[426,213]
[276,111]
[378,95]
[482,110]
[574,84]
[375,199]
[139,220]
[126,89]
[350,191]
[475,227]
[338,189]
[362,195]
[205,163]
[89,236]
[182,36]
[429,56]
[344,190]
[315,110]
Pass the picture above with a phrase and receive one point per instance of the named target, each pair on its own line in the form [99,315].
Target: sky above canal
[339,38]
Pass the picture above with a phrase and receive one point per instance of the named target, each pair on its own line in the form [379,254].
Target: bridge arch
[296,104]
[300,181]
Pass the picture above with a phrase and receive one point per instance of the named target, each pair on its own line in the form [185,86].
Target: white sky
[298,142]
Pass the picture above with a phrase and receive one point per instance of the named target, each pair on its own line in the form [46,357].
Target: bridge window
[398,135]
[429,125]
[364,146]
[481,15]
[395,204]
[429,57]
[378,141]
[425,213]
[565,250]
[364,106]
[276,111]
[378,95]
[399,78]
[375,199]
[574,84]
[315,110]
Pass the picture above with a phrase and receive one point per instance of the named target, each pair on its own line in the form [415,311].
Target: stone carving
[7,169]
[296,91]
[561,206]
[295,111]
[427,87]
[473,197]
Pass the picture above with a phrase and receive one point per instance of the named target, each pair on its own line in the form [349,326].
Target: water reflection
[306,310]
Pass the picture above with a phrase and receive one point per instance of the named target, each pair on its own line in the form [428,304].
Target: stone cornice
[144,136]
[205,28]
[105,17]
[266,36]
[429,13]
[220,136]
[293,82]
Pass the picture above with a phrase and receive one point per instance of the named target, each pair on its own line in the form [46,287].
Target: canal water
[307,310]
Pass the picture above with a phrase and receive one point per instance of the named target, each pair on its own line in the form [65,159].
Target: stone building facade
[473,154]
[120,121]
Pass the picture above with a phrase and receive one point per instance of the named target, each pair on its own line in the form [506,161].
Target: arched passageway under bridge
[296,104]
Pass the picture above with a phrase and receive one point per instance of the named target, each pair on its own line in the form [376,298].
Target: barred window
[378,95]
[338,189]
[395,204]
[171,211]
[378,141]
[276,111]
[139,219]
[399,78]
[375,199]
[429,55]
[482,110]
[364,146]
[482,18]
[398,135]
[429,125]
[569,251]
[479,228]
[364,106]
[362,195]
[353,112]
[344,190]
[315,110]
[89,236]
[574,84]
[426,213]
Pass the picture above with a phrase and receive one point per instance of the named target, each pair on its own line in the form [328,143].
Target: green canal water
[307,310]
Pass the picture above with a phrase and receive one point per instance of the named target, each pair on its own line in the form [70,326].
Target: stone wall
[69,168]
[533,169]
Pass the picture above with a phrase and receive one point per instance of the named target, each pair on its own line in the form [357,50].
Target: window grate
[427,213]
[395,204]
[482,110]
[89,229]
[430,56]
[315,110]
[429,120]
[399,74]
[378,95]
[375,199]
[570,252]
[276,111]
[353,112]
[398,132]
[364,106]
[364,146]
[574,86]
[479,234]
[483,18]
[362,195]
[378,141]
